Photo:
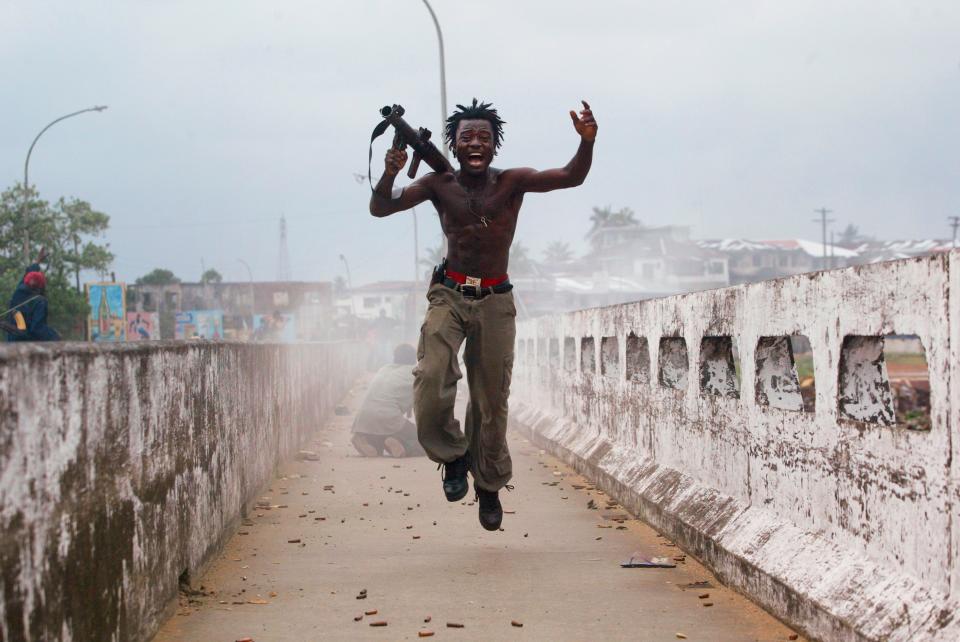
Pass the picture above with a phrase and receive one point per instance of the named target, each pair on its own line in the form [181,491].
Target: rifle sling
[377,132]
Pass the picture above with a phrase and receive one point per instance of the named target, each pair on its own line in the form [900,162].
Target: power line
[954,223]
[823,220]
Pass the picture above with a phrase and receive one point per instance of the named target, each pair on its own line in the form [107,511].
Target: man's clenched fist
[394,161]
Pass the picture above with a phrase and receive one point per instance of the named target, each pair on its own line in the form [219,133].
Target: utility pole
[283,255]
[954,223]
[823,220]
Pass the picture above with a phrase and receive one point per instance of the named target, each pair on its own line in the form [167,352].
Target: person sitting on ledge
[381,424]
[26,317]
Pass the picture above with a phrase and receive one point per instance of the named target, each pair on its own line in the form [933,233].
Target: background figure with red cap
[26,317]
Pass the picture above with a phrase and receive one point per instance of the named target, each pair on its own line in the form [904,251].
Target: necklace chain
[470,199]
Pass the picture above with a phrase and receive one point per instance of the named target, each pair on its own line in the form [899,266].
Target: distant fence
[830,496]
[122,467]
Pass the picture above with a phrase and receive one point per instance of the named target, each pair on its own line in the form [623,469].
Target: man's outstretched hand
[585,125]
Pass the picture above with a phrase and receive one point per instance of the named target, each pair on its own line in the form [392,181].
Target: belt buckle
[474,291]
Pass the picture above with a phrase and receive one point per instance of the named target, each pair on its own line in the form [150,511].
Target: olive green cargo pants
[489,327]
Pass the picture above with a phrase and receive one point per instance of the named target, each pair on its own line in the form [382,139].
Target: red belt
[484,283]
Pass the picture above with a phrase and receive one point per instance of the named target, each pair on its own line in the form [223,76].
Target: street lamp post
[26,175]
[443,76]
[250,281]
[443,94]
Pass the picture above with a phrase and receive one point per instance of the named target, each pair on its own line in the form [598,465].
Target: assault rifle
[404,136]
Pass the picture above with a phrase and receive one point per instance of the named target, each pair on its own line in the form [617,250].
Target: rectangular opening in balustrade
[882,385]
[638,359]
[570,354]
[719,374]
[542,353]
[610,357]
[531,356]
[784,373]
[909,376]
[862,384]
[554,355]
[803,361]
[674,363]
[588,356]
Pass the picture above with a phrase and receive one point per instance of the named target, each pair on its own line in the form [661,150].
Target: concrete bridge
[134,479]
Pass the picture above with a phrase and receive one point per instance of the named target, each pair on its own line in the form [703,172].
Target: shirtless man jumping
[478,207]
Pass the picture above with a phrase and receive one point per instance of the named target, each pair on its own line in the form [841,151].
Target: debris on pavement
[516,623]
[379,623]
[454,625]
[639,561]
[425,634]
[702,584]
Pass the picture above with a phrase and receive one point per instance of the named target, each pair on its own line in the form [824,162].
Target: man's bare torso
[479,224]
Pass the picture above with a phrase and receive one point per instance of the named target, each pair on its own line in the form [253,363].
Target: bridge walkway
[327,530]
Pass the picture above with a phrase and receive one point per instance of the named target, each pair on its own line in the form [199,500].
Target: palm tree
[623,217]
[432,256]
[520,261]
[599,218]
[558,252]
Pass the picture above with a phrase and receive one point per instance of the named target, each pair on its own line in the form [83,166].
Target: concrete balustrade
[689,410]
[124,468]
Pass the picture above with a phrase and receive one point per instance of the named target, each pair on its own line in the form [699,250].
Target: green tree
[69,230]
[211,276]
[851,236]
[557,253]
[158,276]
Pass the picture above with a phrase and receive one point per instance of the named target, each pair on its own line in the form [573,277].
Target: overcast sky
[736,118]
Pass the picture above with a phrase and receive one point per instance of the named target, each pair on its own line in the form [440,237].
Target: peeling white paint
[847,528]
[121,466]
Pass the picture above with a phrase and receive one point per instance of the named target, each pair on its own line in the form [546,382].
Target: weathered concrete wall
[840,521]
[121,467]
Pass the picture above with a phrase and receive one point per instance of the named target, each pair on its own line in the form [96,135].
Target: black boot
[455,484]
[491,512]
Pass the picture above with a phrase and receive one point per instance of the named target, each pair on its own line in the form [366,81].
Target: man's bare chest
[494,205]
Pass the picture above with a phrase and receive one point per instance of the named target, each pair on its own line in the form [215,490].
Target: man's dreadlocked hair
[476,111]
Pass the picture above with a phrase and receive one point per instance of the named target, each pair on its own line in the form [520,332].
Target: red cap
[35,280]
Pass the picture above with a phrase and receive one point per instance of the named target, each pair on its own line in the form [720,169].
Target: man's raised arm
[382,202]
[575,172]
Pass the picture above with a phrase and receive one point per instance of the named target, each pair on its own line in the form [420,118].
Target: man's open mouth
[475,159]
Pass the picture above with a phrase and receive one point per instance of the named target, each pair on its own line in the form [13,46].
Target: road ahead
[327,530]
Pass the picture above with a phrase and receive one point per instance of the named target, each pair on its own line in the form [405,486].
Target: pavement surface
[327,532]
